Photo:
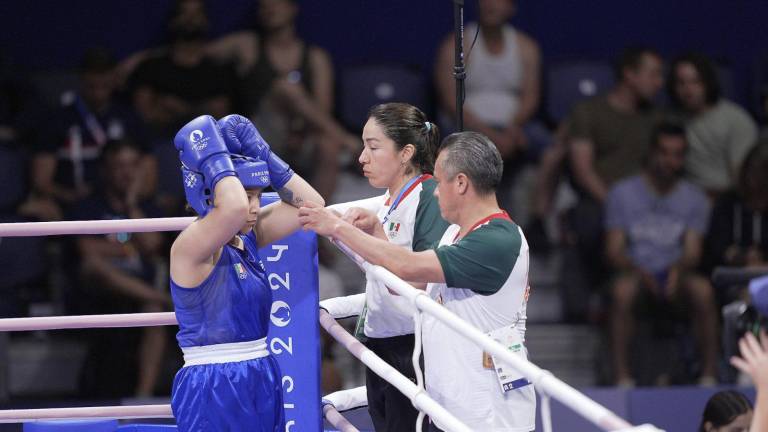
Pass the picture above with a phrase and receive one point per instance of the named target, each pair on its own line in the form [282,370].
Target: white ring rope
[419,397]
[36,229]
[123,412]
[88,321]
[542,380]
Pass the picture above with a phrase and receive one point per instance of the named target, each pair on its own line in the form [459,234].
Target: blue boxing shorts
[228,387]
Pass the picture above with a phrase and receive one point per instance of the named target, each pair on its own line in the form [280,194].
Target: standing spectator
[607,138]
[720,132]
[502,88]
[171,86]
[726,410]
[287,90]
[118,274]
[737,236]
[65,165]
[655,224]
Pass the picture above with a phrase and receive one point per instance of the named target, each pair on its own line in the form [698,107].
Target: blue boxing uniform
[229,380]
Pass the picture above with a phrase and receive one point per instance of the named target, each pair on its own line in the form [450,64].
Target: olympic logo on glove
[198,140]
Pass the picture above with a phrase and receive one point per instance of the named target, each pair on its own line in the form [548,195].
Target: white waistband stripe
[225,353]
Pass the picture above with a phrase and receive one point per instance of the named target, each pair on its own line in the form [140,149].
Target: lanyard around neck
[499,215]
[407,189]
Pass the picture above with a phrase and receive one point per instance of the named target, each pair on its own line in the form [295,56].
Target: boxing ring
[290,261]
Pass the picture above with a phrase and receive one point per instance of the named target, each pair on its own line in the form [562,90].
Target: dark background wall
[52,34]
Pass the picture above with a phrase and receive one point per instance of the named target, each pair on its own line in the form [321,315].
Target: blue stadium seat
[361,87]
[570,82]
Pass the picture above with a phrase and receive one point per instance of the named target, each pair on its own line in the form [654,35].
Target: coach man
[479,271]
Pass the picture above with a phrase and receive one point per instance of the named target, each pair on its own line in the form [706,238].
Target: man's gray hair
[474,155]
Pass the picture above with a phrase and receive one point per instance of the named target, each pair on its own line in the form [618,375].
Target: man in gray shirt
[720,133]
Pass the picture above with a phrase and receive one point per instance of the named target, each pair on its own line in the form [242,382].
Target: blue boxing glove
[202,149]
[242,137]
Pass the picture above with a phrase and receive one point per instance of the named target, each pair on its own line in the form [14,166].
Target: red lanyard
[500,215]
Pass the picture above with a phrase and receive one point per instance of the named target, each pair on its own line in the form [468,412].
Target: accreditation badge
[508,377]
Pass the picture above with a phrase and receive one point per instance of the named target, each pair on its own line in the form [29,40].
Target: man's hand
[319,219]
[365,220]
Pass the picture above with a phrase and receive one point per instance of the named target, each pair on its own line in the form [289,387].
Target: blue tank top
[231,305]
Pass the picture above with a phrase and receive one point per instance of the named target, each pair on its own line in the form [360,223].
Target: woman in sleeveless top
[288,91]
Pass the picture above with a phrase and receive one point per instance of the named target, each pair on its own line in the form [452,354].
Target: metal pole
[458,69]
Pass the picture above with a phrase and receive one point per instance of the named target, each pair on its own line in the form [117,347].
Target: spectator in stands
[754,362]
[172,85]
[655,223]
[738,234]
[502,88]
[288,90]
[606,139]
[720,132]
[726,411]
[65,165]
[118,272]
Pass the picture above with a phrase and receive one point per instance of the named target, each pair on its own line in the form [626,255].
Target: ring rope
[123,412]
[37,229]
[88,321]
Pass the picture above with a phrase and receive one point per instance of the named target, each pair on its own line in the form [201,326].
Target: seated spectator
[738,234]
[172,85]
[502,87]
[726,411]
[720,132]
[607,138]
[288,90]
[655,223]
[64,167]
[118,273]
